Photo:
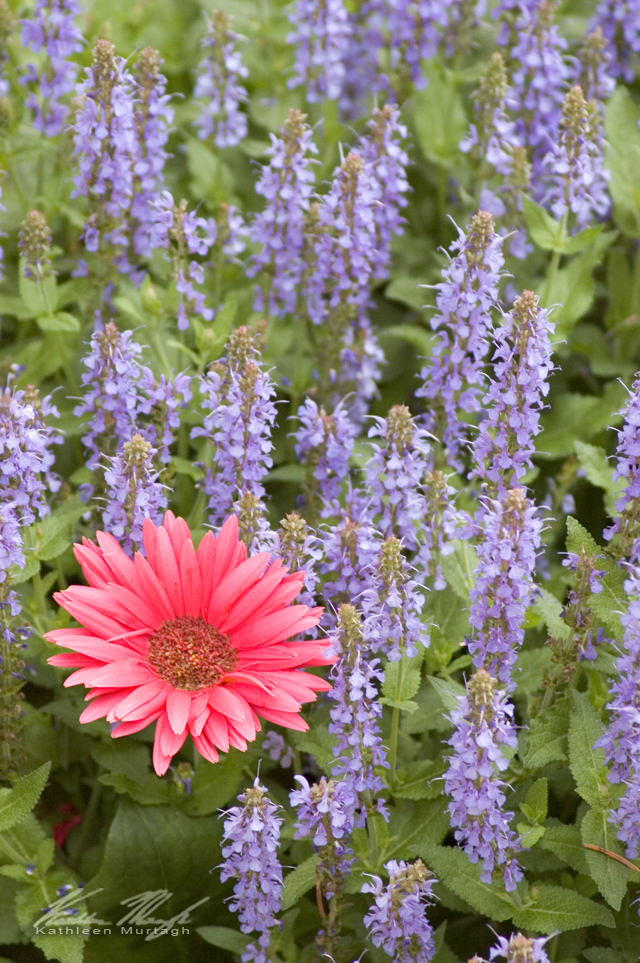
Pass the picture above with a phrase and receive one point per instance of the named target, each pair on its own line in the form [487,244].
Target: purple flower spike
[250,851]
[627,526]
[522,364]
[397,922]
[443,522]
[504,587]
[218,85]
[239,425]
[287,184]
[393,606]
[133,494]
[355,717]
[483,723]
[394,475]
[326,813]
[350,553]
[54,31]
[619,21]
[575,164]
[299,548]
[452,377]
[320,38]
[325,442]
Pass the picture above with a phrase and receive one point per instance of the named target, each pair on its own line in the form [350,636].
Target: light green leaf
[594,463]
[546,740]
[549,608]
[530,834]
[610,876]
[622,158]
[294,472]
[536,804]
[57,529]
[411,292]
[439,116]
[586,763]
[459,567]
[224,938]
[544,230]
[419,780]
[575,416]
[399,695]
[60,321]
[38,298]
[557,909]
[579,538]
[453,868]
[16,803]
[450,692]
[297,883]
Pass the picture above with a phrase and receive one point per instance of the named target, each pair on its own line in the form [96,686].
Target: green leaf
[549,608]
[586,763]
[419,780]
[182,466]
[416,828]
[297,883]
[536,804]
[573,287]
[154,792]
[60,321]
[459,567]
[408,291]
[224,938]
[577,242]
[418,337]
[622,159]
[603,954]
[450,692]
[439,116]
[530,834]
[579,538]
[557,909]
[544,230]
[453,868]
[565,842]
[294,472]
[400,696]
[546,740]
[594,463]
[57,529]
[213,785]
[318,742]
[17,802]
[128,308]
[575,416]
[38,298]
[66,948]
[121,756]
[610,876]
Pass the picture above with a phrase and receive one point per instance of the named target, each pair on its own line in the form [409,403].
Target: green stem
[89,817]
[38,590]
[12,853]
[553,266]
[372,829]
[395,722]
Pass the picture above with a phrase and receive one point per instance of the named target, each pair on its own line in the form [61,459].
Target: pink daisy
[198,642]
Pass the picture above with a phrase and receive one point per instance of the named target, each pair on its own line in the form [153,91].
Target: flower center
[191,654]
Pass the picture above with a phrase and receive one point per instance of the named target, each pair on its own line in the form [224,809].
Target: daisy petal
[178,709]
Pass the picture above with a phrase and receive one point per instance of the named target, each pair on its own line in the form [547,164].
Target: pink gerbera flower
[195,641]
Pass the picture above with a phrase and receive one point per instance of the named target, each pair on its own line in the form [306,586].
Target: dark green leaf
[225,938]
[297,883]
[557,909]
[565,842]
[154,792]
[610,876]
[546,739]
[537,801]
[121,756]
[415,828]
[419,780]
[213,785]
[586,763]
[17,802]
[453,868]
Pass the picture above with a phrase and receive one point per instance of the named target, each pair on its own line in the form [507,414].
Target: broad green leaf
[318,742]
[60,321]
[396,694]
[297,883]
[57,529]
[549,608]
[537,801]
[17,802]
[38,298]
[578,537]
[153,792]
[594,463]
[295,472]
[546,739]
[586,762]
[10,931]
[610,876]
[573,287]
[419,780]
[122,756]
[530,834]
[411,292]
[450,692]
[225,938]
[439,116]
[557,910]
[214,785]
[459,567]
[66,948]
[574,416]
[603,954]
[182,466]
[544,230]
[421,340]
[453,868]
[416,828]
[623,159]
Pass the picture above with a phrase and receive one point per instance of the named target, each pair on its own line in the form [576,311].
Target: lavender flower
[522,363]
[575,165]
[106,146]
[253,525]
[463,16]
[326,815]
[320,39]
[111,399]
[621,741]
[133,494]
[11,544]
[393,606]
[324,443]
[394,475]
[54,31]
[250,845]
[492,134]
[381,149]
[592,68]
[520,949]
[287,185]
[397,922]
[415,30]
[162,400]
[538,78]
[218,85]
[278,750]
[34,244]
[619,21]
[627,526]
[25,462]
[577,614]
[7,23]
[483,723]
[355,718]
[358,367]
[299,548]
[504,587]
[349,554]
[153,118]
[453,375]
[238,395]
